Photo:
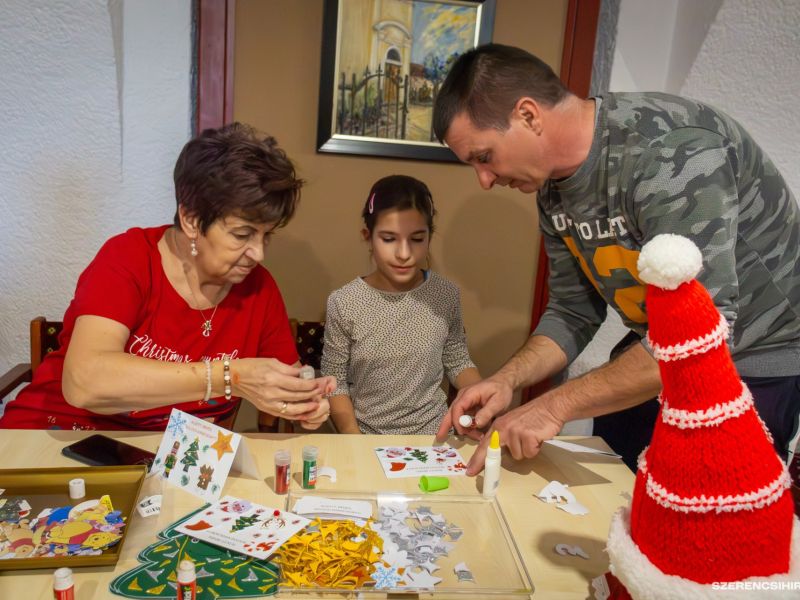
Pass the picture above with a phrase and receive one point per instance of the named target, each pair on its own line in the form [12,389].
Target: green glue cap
[494,444]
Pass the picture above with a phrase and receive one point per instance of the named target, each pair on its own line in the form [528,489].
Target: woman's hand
[276,388]
[325,387]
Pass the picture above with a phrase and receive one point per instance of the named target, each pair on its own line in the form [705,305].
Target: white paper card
[415,461]
[243,526]
[197,456]
[313,506]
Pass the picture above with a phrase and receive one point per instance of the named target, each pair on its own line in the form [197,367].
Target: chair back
[309,337]
[44,339]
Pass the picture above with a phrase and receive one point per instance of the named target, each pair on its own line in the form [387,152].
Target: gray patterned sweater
[665,164]
[390,351]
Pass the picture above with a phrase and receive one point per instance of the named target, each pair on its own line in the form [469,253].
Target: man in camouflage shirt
[613,172]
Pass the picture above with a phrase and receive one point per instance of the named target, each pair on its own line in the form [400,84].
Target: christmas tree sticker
[244,522]
[420,455]
[190,458]
[220,573]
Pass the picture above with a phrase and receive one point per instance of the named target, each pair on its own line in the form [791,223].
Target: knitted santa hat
[711,502]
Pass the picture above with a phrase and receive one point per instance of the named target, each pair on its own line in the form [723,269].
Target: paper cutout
[386,577]
[330,554]
[327,472]
[414,461]
[220,573]
[85,529]
[463,573]
[557,493]
[149,506]
[234,526]
[568,550]
[421,579]
[197,456]
[600,587]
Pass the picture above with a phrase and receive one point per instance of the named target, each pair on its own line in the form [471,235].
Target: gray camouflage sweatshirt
[664,164]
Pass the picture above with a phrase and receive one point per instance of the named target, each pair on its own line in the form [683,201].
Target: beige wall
[486,242]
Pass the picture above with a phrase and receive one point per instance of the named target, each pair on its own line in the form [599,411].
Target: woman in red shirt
[183,315]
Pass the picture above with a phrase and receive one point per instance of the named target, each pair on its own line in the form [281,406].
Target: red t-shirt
[126,283]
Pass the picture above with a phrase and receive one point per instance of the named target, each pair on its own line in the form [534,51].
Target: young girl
[391,336]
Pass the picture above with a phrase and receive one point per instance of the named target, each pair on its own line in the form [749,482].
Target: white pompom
[669,260]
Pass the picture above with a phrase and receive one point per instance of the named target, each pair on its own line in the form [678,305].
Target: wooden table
[598,482]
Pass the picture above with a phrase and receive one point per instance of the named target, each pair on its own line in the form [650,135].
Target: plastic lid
[77,488]
[186,573]
[307,372]
[466,420]
[62,579]
[310,452]
[494,444]
[283,457]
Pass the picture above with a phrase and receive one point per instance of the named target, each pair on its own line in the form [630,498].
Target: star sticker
[223,444]
[422,579]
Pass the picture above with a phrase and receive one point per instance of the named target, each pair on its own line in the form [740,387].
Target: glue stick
[187,581]
[491,469]
[63,586]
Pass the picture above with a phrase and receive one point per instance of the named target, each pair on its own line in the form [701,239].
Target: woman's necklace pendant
[207,328]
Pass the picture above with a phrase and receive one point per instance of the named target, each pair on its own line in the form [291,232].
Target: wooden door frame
[215,30]
[215,49]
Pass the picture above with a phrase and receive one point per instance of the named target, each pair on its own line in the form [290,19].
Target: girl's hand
[325,386]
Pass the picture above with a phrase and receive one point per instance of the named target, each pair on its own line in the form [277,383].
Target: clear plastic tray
[486,547]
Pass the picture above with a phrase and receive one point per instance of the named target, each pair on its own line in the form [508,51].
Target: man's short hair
[487,81]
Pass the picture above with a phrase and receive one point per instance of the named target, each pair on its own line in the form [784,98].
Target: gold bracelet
[226,376]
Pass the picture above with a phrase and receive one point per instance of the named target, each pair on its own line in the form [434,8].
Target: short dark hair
[487,81]
[399,192]
[233,170]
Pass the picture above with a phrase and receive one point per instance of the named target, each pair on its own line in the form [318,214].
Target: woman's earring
[194,247]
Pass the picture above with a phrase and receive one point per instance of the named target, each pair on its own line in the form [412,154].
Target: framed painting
[383,62]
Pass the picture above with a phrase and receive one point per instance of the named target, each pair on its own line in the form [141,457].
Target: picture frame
[382,64]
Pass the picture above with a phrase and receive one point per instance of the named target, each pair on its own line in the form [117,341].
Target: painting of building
[392,57]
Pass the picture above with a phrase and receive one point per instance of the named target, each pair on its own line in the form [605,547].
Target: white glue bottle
[187,581]
[63,585]
[491,468]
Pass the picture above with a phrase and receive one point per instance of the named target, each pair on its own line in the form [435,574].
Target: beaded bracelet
[226,376]
[207,397]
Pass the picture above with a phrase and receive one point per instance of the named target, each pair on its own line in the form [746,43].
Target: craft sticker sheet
[196,455]
[243,526]
[415,461]
[220,573]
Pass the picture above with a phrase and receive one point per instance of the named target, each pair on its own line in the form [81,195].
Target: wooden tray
[49,487]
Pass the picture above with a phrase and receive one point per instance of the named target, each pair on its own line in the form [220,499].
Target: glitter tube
[310,467]
[283,468]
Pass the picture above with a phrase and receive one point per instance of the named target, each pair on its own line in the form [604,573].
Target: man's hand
[483,401]
[522,430]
